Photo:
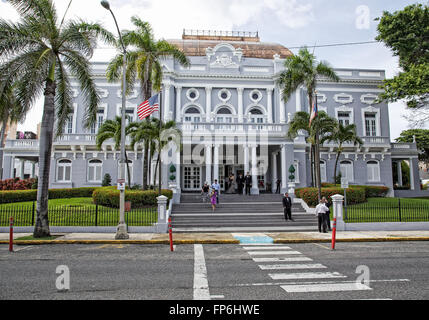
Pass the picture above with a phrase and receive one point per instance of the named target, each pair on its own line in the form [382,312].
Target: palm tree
[300,122]
[304,70]
[111,129]
[10,111]
[157,136]
[144,65]
[38,53]
[341,135]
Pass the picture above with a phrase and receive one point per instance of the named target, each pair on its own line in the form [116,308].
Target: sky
[291,23]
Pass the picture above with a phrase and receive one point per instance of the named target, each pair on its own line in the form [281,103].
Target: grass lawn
[76,212]
[388,210]
[32,238]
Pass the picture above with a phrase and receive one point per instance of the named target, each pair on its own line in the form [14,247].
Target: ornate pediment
[224,56]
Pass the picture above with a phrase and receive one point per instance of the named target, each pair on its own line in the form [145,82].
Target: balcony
[22,144]
[273,129]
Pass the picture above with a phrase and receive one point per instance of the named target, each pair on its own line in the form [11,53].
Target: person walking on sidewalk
[248,181]
[321,210]
[216,187]
[287,207]
[328,218]
[205,192]
[213,199]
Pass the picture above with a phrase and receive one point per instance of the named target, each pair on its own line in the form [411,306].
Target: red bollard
[11,234]
[170,234]
[334,230]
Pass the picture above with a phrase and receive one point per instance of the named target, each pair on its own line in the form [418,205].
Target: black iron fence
[84,216]
[392,210]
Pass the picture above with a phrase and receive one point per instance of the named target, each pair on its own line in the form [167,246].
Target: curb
[208,241]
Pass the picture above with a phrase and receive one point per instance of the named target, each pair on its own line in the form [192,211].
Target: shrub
[309,195]
[110,197]
[107,180]
[31,195]
[16,184]
[374,191]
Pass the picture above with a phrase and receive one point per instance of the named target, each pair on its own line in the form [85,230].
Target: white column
[411,174]
[166,111]
[178,169]
[33,169]
[255,189]
[216,163]
[270,104]
[274,171]
[282,108]
[240,104]
[246,159]
[22,167]
[298,99]
[283,167]
[208,158]
[178,103]
[208,103]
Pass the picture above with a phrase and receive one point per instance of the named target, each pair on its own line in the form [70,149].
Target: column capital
[178,86]
[208,88]
[167,85]
[240,90]
[270,90]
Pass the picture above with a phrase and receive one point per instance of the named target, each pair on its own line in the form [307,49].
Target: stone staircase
[235,213]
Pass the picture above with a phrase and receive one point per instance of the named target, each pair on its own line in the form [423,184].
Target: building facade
[233,120]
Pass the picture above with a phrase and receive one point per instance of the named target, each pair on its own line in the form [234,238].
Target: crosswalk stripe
[305,275]
[289,259]
[261,244]
[266,248]
[292,266]
[325,287]
[266,253]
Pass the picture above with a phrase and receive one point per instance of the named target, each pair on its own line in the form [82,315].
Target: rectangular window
[344,118]
[370,125]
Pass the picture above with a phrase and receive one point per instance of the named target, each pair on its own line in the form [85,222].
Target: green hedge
[309,195]
[109,196]
[370,191]
[31,195]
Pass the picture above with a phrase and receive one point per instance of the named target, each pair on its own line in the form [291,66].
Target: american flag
[146,108]
[313,111]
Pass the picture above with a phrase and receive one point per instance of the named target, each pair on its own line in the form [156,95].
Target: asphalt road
[396,270]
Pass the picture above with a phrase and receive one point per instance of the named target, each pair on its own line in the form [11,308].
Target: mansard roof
[251,49]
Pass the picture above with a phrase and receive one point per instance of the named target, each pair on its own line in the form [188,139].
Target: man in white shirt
[321,210]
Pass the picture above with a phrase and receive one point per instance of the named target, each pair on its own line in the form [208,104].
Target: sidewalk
[225,238]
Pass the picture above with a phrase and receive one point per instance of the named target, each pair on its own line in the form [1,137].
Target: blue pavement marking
[254,239]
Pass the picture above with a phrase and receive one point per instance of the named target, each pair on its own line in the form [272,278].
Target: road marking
[324,247]
[21,249]
[261,244]
[266,253]
[325,287]
[306,275]
[266,248]
[217,296]
[282,259]
[310,282]
[292,266]
[201,284]
[117,246]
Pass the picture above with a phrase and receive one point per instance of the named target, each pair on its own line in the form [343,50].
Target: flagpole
[159,142]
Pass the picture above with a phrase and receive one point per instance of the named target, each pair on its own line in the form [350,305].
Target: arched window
[224,115]
[192,114]
[346,169]
[373,171]
[64,170]
[323,170]
[94,170]
[256,116]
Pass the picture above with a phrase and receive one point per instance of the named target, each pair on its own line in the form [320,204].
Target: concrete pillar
[240,104]
[33,169]
[178,103]
[274,171]
[411,174]
[298,100]
[246,159]
[254,161]
[22,167]
[162,225]
[208,158]
[216,163]
[270,105]
[337,206]
[283,168]
[282,108]
[166,111]
[208,102]
[178,170]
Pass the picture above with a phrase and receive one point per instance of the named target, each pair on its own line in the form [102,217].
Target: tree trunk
[312,165]
[156,168]
[2,135]
[335,168]
[145,164]
[128,169]
[41,229]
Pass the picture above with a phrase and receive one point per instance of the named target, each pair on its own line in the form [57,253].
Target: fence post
[337,204]
[399,209]
[96,214]
[162,213]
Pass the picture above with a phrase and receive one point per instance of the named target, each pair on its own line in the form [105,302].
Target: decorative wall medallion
[343,98]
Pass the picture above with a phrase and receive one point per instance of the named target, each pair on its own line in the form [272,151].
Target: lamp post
[121,231]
